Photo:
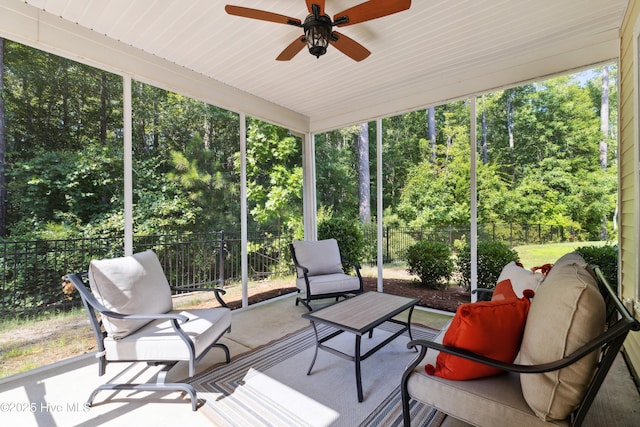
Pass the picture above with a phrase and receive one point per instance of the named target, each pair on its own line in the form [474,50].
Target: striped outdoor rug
[270,386]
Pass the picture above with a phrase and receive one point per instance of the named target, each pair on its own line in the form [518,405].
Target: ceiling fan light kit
[317,33]
[318,26]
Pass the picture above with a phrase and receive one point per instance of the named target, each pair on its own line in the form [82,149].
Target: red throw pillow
[544,269]
[503,290]
[493,329]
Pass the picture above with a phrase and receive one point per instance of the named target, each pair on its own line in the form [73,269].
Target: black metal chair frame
[609,343]
[94,308]
[309,296]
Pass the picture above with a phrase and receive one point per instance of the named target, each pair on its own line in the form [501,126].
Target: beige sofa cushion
[567,312]
[571,258]
[134,284]
[320,257]
[489,401]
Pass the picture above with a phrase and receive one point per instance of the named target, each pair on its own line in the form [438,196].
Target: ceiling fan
[318,26]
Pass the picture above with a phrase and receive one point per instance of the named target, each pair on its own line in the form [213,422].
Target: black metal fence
[31,272]
[396,240]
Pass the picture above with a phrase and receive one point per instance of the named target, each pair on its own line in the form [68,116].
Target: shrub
[431,262]
[492,257]
[349,236]
[605,257]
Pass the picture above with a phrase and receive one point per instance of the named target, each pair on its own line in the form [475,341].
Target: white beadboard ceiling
[436,51]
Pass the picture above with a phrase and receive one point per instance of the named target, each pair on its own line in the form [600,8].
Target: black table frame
[358,332]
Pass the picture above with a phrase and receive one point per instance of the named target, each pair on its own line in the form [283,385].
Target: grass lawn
[535,255]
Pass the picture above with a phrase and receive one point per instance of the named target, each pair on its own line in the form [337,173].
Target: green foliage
[605,257]
[274,177]
[538,161]
[538,157]
[337,172]
[492,257]
[431,262]
[349,236]
[437,189]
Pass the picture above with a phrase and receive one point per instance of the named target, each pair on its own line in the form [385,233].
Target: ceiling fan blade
[371,9]
[292,50]
[320,3]
[349,47]
[262,15]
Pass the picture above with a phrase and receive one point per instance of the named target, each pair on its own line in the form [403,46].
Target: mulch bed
[447,299]
[441,299]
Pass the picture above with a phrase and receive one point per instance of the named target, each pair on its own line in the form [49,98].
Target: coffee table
[359,315]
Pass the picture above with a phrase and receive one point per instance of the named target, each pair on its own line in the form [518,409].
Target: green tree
[337,172]
[274,177]
[63,122]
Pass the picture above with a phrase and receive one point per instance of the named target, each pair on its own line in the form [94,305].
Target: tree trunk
[510,126]
[431,121]
[485,149]
[104,101]
[604,133]
[604,117]
[363,173]
[3,149]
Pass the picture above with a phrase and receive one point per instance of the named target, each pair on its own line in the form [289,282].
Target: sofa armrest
[615,332]
[483,293]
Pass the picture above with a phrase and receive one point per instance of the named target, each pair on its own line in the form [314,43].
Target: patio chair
[131,314]
[320,273]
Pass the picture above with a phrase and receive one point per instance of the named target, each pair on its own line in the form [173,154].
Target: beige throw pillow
[567,312]
[320,257]
[130,285]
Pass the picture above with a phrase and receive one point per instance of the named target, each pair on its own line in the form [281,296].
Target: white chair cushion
[158,341]
[130,285]
[329,283]
[567,312]
[320,257]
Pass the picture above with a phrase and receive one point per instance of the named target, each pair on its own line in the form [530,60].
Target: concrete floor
[54,395]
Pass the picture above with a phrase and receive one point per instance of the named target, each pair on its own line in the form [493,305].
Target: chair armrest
[354,264]
[218,292]
[304,269]
[85,293]
[482,291]
[484,294]
[158,316]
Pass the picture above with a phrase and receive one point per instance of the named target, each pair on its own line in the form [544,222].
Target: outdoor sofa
[573,330]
